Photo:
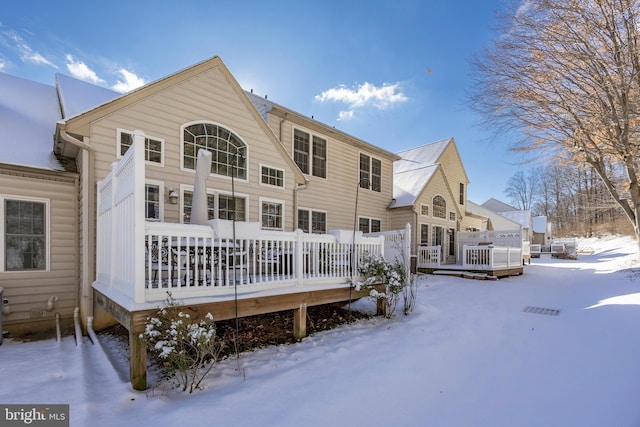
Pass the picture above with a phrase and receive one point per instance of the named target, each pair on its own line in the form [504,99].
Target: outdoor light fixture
[173,196]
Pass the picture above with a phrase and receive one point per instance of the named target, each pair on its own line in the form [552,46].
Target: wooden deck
[134,316]
[460,271]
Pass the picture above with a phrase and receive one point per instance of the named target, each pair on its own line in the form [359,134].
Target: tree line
[562,78]
[573,198]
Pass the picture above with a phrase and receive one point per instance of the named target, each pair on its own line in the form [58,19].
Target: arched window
[439,207]
[229,153]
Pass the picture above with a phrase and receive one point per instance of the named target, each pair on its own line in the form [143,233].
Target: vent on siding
[541,310]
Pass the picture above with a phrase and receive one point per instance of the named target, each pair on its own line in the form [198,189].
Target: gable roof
[412,172]
[495,205]
[425,154]
[409,183]
[497,221]
[81,122]
[78,96]
[28,113]
[521,217]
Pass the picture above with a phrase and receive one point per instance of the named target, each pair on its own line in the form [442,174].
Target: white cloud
[129,81]
[26,53]
[80,70]
[364,95]
[2,64]
[36,58]
[345,115]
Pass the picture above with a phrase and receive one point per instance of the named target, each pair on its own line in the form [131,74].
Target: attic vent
[541,310]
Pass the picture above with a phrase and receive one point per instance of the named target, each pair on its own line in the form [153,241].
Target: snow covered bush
[187,348]
[376,270]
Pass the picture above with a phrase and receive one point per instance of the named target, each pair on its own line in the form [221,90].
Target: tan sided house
[98,192]
[101,222]
[430,185]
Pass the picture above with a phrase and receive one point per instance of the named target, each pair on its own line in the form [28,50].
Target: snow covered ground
[468,356]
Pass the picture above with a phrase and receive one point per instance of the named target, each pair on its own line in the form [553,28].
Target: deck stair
[465,274]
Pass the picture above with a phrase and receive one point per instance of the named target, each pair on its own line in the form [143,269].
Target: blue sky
[393,73]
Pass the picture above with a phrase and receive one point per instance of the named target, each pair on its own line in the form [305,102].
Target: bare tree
[565,75]
[521,188]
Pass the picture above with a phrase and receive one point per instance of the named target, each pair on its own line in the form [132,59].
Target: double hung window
[370,173]
[153,147]
[310,153]
[311,221]
[25,235]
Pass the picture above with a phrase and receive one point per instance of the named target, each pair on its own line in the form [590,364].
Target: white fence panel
[397,246]
[120,223]
[428,256]
[506,238]
[490,257]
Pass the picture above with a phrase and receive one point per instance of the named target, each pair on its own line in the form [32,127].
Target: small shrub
[187,348]
[375,270]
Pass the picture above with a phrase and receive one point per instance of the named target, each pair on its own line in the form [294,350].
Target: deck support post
[300,321]
[381,307]
[137,361]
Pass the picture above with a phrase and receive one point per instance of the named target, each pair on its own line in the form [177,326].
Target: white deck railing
[143,260]
[428,256]
[191,260]
[503,238]
[491,257]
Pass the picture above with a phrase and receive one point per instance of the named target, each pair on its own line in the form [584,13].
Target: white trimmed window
[369,225]
[153,200]
[424,210]
[272,214]
[370,173]
[439,207]
[311,221]
[271,176]
[25,234]
[227,206]
[153,147]
[310,153]
[187,203]
[424,234]
[218,205]
[229,152]
[452,216]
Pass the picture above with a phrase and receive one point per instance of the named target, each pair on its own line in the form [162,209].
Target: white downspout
[295,202]
[88,209]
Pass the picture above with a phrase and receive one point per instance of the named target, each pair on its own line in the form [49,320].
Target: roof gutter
[61,131]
